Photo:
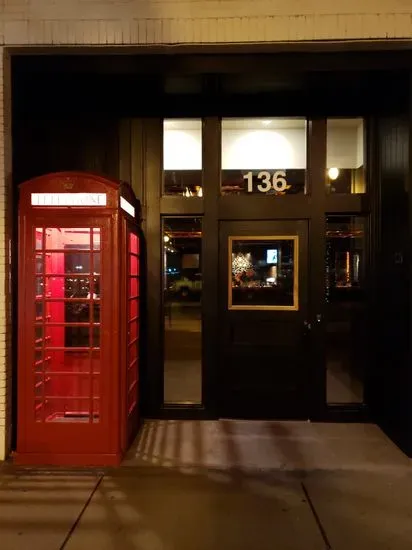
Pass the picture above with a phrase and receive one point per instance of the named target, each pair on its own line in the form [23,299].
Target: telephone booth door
[70,332]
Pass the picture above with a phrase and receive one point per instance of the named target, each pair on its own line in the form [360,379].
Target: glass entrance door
[264,365]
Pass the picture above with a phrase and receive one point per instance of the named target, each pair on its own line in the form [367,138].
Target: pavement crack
[328,545]
[82,511]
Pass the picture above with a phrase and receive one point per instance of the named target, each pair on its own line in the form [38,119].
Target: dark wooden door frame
[146,173]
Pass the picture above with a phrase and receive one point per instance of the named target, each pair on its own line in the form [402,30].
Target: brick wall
[200,21]
[103,22]
[5,294]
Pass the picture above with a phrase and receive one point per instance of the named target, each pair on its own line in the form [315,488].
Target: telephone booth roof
[80,190]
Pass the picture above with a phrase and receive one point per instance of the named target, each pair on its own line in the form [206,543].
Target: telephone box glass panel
[67,324]
[133,298]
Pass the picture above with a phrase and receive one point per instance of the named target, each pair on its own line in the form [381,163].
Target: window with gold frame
[263,273]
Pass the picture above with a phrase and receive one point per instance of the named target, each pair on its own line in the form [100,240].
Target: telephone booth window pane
[133,326]
[39,311]
[76,287]
[38,359]
[96,409]
[77,262]
[38,385]
[96,239]
[38,409]
[67,370]
[131,375]
[96,288]
[134,287]
[67,287]
[134,265]
[77,312]
[67,362]
[67,409]
[133,330]
[132,352]
[55,311]
[39,238]
[96,337]
[96,313]
[133,308]
[39,263]
[39,286]
[59,238]
[134,244]
[77,337]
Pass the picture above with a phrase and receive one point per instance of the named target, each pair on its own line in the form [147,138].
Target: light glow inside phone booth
[79,315]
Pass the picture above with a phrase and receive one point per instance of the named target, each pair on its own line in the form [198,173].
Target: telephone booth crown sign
[79,315]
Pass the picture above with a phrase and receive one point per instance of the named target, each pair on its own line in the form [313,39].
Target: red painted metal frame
[105,441]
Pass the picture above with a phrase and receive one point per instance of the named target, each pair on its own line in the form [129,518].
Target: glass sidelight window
[263,273]
[182,157]
[182,284]
[263,156]
[345,308]
[345,156]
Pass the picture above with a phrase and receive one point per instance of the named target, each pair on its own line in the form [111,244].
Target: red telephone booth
[78,325]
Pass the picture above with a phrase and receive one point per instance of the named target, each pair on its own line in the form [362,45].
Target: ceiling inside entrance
[281,85]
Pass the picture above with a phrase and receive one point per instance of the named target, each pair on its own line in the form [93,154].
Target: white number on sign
[265,178]
[249,178]
[277,181]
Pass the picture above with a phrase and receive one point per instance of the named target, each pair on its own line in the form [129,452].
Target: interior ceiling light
[166,238]
[333,173]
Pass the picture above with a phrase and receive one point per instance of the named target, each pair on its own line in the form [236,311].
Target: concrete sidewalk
[221,485]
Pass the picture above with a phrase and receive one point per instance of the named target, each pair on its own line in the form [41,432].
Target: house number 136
[277,181]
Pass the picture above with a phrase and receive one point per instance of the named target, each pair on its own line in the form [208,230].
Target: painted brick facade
[200,21]
[145,22]
[5,294]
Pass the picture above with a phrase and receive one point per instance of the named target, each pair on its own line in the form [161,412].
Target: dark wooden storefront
[106,114]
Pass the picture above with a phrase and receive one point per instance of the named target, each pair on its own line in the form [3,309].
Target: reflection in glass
[263,156]
[182,283]
[263,272]
[39,263]
[345,308]
[77,337]
[57,238]
[39,238]
[182,157]
[345,156]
